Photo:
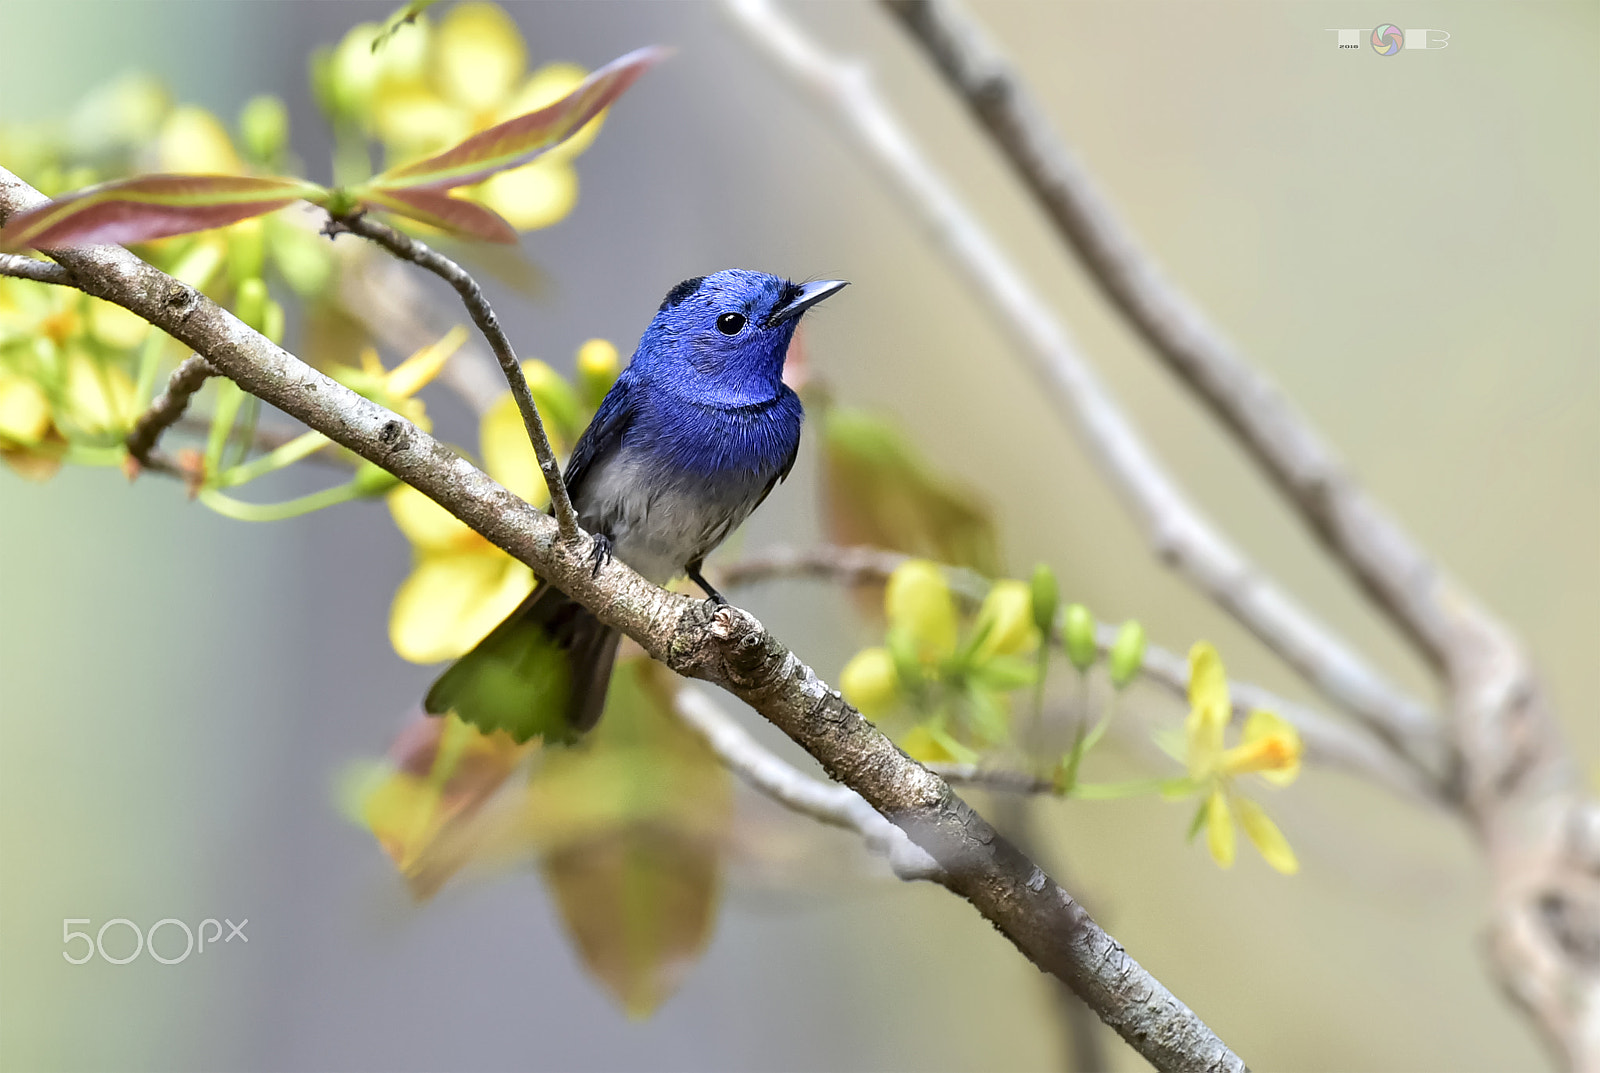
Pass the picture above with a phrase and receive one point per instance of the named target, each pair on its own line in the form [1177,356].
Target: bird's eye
[730,323]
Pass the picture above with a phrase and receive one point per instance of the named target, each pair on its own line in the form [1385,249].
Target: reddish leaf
[150,207]
[447,213]
[517,141]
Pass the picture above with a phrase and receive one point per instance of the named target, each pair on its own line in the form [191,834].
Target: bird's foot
[600,554]
[713,597]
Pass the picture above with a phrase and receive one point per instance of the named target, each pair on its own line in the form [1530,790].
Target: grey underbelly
[658,523]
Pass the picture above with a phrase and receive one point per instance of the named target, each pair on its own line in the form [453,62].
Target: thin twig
[409,249]
[832,562]
[829,803]
[18,267]
[722,644]
[166,409]
[1004,780]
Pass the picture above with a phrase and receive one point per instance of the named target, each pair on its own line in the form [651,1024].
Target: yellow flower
[194,142]
[919,608]
[1005,621]
[461,586]
[467,74]
[395,387]
[1269,747]
[870,682]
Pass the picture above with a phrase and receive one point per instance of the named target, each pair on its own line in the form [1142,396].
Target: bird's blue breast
[707,442]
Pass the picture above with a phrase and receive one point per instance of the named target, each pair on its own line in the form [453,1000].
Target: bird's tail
[542,672]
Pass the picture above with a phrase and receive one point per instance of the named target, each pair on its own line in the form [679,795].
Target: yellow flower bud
[869,682]
[264,128]
[533,196]
[1044,597]
[344,80]
[193,141]
[247,249]
[250,303]
[116,327]
[478,55]
[1005,621]
[1127,653]
[920,745]
[558,404]
[1077,630]
[918,604]
[24,411]
[101,397]
[272,322]
[598,368]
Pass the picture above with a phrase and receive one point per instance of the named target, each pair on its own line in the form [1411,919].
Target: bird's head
[721,339]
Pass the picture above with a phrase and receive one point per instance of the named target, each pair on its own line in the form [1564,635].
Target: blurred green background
[1407,246]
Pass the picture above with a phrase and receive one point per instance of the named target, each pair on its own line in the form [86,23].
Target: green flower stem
[1110,791]
[149,364]
[230,397]
[301,447]
[239,510]
[245,434]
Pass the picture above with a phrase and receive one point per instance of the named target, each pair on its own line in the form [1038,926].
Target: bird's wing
[780,476]
[601,439]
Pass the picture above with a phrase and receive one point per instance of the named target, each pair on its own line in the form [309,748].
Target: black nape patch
[680,292]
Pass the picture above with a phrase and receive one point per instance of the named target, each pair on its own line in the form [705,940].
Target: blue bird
[691,438]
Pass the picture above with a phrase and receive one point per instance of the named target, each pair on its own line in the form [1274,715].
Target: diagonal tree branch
[409,249]
[1182,536]
[722,645]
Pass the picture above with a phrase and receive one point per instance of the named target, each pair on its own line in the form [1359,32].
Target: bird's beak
[810,294]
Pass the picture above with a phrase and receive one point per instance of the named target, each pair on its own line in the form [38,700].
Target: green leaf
[517,141]
[880,491]
[632,823]
[150,207]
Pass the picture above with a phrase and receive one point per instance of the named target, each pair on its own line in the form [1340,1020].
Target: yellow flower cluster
[64,374]
[461,585]
[429,86]
[959,685]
